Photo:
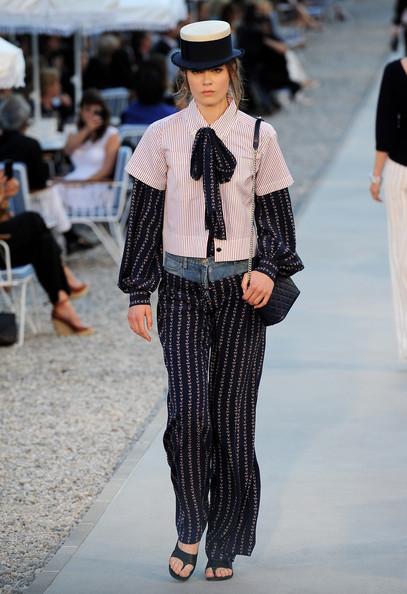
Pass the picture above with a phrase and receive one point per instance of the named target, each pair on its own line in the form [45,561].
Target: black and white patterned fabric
[213,344]
[212,161]
[142,262]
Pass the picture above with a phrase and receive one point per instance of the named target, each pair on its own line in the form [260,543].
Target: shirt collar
[221,126]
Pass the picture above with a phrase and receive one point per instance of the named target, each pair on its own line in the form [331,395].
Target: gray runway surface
[72,408]
[331,430]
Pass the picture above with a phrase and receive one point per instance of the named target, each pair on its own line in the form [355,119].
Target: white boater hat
[204,45]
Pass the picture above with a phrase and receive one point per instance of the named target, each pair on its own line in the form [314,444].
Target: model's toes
[176,565]
[223,572]
[187,570]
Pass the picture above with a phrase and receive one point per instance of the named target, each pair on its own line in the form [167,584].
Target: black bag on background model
[285,291]
[8,328]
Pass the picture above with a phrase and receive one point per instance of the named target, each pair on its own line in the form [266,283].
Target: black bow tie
[212,160]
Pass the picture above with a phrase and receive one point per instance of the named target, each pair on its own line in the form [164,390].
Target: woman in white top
[189,226]
[93,152]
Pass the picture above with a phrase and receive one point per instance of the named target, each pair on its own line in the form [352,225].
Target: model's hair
[183,93]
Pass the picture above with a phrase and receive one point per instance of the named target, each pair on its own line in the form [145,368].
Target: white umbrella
[67,17]
[12,65]
[64,17]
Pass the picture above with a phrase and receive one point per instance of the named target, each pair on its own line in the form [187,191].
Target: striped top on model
[162,160]
[168,206]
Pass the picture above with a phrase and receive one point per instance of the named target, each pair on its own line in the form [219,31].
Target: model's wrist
[375,179]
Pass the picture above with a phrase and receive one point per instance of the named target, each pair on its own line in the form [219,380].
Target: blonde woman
[391,158]
[189,228]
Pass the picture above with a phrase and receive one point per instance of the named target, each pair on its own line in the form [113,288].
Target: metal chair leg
[22,314]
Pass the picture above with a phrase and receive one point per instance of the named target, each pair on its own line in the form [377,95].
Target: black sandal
[216,563]
[187,558]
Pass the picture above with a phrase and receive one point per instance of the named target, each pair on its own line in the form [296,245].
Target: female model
[391,151]
[189,228]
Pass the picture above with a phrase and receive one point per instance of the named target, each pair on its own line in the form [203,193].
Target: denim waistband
[202,270]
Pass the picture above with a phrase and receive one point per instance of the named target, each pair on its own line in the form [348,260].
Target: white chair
[131,134]
[117,100]
[112,214]
[21,201]
[10,278]
[20,276]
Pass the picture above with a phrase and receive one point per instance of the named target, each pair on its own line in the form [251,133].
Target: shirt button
[218,249]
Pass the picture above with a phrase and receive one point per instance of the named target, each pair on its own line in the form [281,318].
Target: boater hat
[205,44]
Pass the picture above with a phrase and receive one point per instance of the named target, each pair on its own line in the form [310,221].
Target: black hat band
[205,51]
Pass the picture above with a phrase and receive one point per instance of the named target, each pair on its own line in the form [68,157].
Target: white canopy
[65,17]
[12,65]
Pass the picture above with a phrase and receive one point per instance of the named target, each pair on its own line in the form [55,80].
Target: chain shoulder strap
[256,137]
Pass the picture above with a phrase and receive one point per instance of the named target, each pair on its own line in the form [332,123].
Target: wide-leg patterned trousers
[213,345]
[395,190]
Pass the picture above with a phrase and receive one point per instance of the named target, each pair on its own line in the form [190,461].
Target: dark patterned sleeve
[276,244]
[142,262]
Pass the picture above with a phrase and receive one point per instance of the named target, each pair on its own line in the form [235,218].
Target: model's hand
[375,192]
[260,288]
[136,316]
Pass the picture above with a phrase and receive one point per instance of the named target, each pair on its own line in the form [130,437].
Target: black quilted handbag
[285,291]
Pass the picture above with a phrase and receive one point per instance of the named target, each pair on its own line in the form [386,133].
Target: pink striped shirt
[162,160]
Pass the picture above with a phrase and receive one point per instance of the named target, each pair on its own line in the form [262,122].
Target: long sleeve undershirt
[142,263]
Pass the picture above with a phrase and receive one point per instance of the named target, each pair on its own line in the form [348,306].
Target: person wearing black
[111,67]
[264,60]
[187,168]
[150,85]
[31,242]
[15,145]
[391,157]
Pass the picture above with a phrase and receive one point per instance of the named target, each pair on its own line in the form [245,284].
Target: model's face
[209,87]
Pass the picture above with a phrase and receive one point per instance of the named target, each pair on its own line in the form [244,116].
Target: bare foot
[219,572]
[65,310]
[73,282]
[176,564]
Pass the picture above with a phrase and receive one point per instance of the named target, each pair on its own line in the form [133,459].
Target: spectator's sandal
[187,558]
[215,564]
[64,327]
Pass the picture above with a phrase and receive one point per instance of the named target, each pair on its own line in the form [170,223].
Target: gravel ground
[72,408]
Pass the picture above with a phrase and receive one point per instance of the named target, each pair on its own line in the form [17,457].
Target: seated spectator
[54,103]
[166,42]
[110,67]
[31,242]
[58,52]
[15,145]
[264,61]
[142,43]
[295,68]
[93,151]
[304,19]
[150,86]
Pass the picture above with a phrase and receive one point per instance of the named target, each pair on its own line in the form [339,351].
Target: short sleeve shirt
[162,160]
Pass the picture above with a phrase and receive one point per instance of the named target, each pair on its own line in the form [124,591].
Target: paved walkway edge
[112,488]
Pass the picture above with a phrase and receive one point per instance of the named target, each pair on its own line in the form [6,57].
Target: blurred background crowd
[71,156]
